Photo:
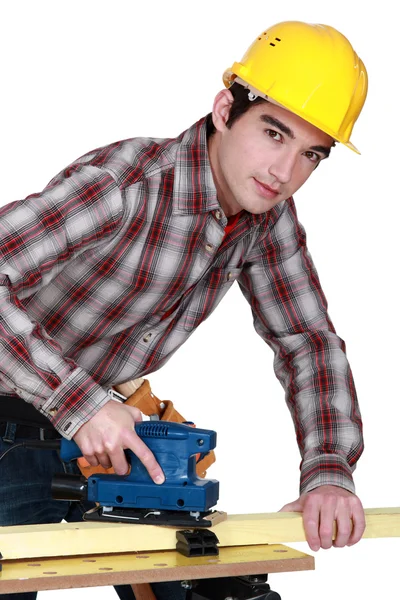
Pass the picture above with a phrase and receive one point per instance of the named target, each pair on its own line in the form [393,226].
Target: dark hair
[241,104]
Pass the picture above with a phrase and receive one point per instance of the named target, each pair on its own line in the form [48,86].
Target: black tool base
[150,517]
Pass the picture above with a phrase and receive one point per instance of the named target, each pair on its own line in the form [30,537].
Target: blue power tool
[183,499]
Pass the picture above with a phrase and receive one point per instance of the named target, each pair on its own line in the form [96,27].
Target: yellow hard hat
[309,69]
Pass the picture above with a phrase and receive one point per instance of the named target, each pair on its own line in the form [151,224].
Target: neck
[225,197]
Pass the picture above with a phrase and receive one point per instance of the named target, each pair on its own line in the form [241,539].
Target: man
[108,271]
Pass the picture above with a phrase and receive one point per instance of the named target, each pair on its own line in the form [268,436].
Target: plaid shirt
[109,270]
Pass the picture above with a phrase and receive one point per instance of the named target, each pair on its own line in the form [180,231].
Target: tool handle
[69,450]
[159,435]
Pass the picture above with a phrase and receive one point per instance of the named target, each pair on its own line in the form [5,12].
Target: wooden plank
[58,573]
[67,539]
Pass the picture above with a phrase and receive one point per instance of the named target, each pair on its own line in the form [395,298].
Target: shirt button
[218,214]
[209,247]
[53,411]
[229,276]
[147,337]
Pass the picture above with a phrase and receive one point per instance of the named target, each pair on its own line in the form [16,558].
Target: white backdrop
[80,74]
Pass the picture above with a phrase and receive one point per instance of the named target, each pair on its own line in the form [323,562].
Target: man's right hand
[105,436]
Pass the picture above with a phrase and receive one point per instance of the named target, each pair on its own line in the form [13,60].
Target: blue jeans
[25,498]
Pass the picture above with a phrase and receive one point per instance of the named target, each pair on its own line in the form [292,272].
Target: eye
[313,156]
[275,135]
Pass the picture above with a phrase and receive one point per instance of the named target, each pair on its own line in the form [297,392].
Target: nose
[283,166]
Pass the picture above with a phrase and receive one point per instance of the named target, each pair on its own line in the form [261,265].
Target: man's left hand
[324,506]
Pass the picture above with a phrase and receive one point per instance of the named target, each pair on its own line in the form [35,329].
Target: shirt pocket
[207,294]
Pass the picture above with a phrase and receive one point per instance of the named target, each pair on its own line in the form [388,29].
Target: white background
[80,74]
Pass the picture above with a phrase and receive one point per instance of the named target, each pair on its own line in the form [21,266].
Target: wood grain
[67,539]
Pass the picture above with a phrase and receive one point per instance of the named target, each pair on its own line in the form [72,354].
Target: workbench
[70,555]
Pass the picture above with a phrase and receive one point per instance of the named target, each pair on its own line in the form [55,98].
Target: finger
[327,522]
[311,518]
[146,457]
[343,528]
[137,414]
[92,460]
[358,525]
[101,453]
[118,460]
[104,460]
[292,507]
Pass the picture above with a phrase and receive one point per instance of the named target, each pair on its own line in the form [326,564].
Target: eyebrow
[278,124]
[326,150]
[323,149]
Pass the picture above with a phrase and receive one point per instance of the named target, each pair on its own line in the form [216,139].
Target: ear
[221,109]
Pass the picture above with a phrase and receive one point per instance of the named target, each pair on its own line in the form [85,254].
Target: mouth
[266,190]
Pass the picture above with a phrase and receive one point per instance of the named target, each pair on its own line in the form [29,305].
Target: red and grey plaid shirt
[108,271]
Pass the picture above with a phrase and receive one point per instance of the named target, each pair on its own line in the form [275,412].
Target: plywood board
[98,570]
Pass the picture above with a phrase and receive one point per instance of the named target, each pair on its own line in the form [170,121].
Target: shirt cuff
[73,403]
[326,469]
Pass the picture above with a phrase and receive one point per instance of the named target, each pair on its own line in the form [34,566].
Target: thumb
[296,506]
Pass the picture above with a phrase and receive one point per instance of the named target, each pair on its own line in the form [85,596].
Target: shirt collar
[194,188]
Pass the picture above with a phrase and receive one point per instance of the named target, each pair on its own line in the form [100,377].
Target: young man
[108,271]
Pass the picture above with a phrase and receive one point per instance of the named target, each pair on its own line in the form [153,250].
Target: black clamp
[197,542]
[250,587]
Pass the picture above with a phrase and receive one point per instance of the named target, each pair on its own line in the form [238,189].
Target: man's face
[264,158]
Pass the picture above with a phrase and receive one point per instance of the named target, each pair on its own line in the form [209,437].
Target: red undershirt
[231,223]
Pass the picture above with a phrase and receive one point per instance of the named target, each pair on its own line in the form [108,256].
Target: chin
[261,207]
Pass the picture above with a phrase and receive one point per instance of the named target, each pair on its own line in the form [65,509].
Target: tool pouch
[140,396]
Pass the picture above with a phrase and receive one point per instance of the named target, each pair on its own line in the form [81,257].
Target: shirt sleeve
[281,284]
[38,236]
